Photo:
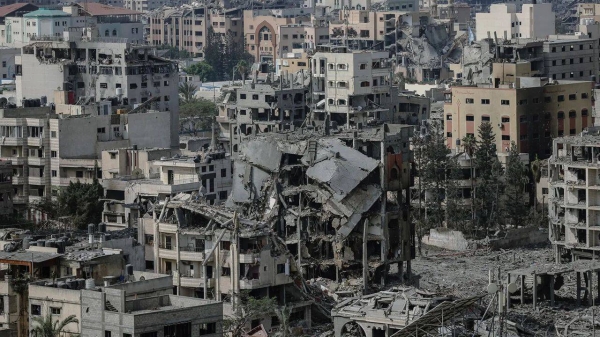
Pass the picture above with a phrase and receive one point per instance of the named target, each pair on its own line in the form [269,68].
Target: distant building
[529,112]
[188,27]
[534,21]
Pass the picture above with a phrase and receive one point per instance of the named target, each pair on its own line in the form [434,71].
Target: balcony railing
[192,249]
[168,246]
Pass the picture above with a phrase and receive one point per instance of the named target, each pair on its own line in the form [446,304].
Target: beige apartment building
[187,27]
[267,32]
[364,29]
[531,111]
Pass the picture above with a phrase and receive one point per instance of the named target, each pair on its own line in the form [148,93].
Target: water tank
[54,236]
[91,228]
[26,241]
[81,283]
[102,227]
[41,243]
[60,245]
[129,269]
[119,92]
[90,284]
[72,284]
[43,100]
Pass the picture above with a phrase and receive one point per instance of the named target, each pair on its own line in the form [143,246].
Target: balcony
[15,160]
[35,142]
[249,258]
[187,281]
[250,284]
[167,228]
[13,141]
[67,181]
[19,199]
[36,161]
[167,252]
[192,254]
[19,180]
[37,181]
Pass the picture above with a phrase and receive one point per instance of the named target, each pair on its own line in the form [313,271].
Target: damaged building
[303,205]
[574,198]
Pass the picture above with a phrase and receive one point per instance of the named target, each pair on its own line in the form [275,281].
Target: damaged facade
[574,199]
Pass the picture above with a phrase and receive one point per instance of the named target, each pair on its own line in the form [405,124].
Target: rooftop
[43,12]
[9,9]
[27,256]
[98,9]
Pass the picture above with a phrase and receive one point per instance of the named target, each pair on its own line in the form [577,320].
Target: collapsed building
[303,205]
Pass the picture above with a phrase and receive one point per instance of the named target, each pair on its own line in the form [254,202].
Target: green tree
[202,69]
[516,211]
[242,68]
[251,308]
[223,53]
[81,202]
[197,115]
[470,145]
[175,53]
[489,185]
[214,54]
[433,166]
[46,326]
[187,91]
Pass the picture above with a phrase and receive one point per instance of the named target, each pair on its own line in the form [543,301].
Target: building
[76,70]
[149,5]
[47,153]
[15,10]
[262,31]
[6,189]
[354,88]
[529,112]
[571,57]
[534,21]
[573,196]
[291,63]
[256,108]
[134,176]
[188,27]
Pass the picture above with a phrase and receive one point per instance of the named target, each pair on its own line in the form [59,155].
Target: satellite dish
[492,288]
[512,288]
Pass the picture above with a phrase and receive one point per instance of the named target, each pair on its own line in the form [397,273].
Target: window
[572,114]
[485,118]
[485,101]
[208,328]
[223,173]
[55,311]
[553,62]
[535,117]
[584,112]
[363,66]
[242,96]
[561,115]
[572,132]
[584,95]
[54,174]
[107,333]
[523,102]
[53,134]
[36,310]
[561,98]
[572,97]
[78,174]
[470,118]
[103,85]
[505,137]
[132,86]
[561,133]
[505,102]
[523,119]
[536,100]
[547,134]
[523,137]
[177,330]
[469,100]
[536,135]
[554,49]
[281,268]
[449,134]
[101,130]
[505,120]
[448,117]
[53,154]
[547,99]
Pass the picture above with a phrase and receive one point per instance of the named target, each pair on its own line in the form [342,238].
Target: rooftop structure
[535,20]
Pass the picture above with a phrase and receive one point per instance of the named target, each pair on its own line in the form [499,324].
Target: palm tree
[470,144]
[242,68]
[47,327]
[187,90]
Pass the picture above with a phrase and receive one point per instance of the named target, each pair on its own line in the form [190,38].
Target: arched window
[106,33]
[114,32]
[394,173]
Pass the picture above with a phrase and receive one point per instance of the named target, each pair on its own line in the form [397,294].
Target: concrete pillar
[205,285]
[522,289]
[578,287]
[217,272]
[178,262]
[507,293]
[590,288]
[551,290]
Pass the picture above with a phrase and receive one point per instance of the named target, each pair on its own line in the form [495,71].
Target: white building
[99,20]
[355,88]
[534,21]
[66,72]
